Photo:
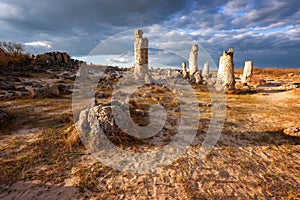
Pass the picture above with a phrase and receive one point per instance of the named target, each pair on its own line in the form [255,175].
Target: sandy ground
[253,159]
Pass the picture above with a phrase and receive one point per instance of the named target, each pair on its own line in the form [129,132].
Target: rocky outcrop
[55,60]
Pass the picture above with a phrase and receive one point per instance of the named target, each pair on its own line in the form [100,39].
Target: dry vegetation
[263,74]
[252,159]
[12,54]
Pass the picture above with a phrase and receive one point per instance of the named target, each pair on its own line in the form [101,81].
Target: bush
[12,53]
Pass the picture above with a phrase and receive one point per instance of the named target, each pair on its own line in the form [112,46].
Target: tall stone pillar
[193,60]
[248,69]
[141,55]
[226,79]
[184,72]
[205,72]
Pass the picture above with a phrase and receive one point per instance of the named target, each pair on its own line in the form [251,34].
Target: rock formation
[148,79]
[225,79]
[169,72]
[141,55]
[57,60]
[184,72]
[248,69]
[3,117]
[193,59]
[293,132]
[47,91]
[198,77]
[205,72]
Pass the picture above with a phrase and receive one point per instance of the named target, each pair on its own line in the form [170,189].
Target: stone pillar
[141,55]
[169,72]
[225,79]
[248,69]
[205,72]
[184,72]
[193,59]
[198,77]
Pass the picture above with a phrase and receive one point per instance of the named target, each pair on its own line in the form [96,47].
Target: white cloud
[45,44]
[7,10]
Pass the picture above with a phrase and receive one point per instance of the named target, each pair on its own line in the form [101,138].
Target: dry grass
[46,158]
[271,71]
[31,113]
[252,158]
[261,75]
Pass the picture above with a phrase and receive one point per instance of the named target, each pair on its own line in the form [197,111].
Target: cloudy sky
[265,31]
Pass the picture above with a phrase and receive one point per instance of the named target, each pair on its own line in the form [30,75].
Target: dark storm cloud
[75,23]
[266,31]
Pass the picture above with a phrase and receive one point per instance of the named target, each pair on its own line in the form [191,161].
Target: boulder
[46,91]
[65,89]
[294,132]
[3,117]
[102,114]
[6,85]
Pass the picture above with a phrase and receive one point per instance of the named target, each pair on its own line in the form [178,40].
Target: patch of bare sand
[28,191]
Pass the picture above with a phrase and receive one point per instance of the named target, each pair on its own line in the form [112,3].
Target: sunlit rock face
[225,78]
[248,68]
[193,59]
[205,72]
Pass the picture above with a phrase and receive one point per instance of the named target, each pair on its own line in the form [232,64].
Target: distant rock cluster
[47,75]
[55,60]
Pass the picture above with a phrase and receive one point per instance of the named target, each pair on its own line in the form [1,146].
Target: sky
[264,31]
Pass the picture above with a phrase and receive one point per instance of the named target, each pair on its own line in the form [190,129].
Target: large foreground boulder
[101,114]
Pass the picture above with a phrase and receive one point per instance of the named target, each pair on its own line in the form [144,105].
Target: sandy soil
[253,159]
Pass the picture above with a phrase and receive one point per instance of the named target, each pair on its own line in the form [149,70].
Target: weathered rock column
[141,55]
[225,79]
[205,72]
[193,60]
[198,77]
[184,72]
[248,69]
[169,72]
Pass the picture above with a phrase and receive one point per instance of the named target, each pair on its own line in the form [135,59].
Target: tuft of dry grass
[23,161]
[71,137]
